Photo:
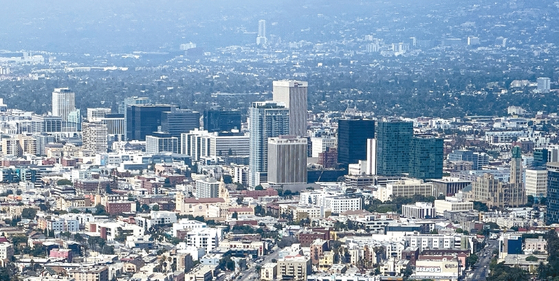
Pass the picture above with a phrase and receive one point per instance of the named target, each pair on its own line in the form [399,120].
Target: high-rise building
[426,158]
[143,120]
[261,39]
[96,114]
[540,157]
[178,121]
[536,183]
[552,214]
[287,160]
[393,147]
[352,140]
[74,123]
[495,193]
[294,95]
[95,137]
[63,102]
[198,144]
[516,166]
[115,126]
[162,143]
[544,84]
[267,120]
[222,120]
[132,101]
[207,188]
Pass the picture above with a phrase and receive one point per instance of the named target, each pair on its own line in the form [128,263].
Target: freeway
[482,266]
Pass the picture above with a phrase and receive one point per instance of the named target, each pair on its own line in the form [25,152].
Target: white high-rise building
[95,137]
[544,84]
[268,119]
[261,39]
[320,145]
[294,95]
[63,102]
[97,114]
[371,168]
[201,143]
[287,160]
[207,188]
[536,183]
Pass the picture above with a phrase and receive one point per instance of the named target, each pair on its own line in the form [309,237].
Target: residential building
[100,273]
[393,140]
[207,188]
[95,137]
[269,272]
[207,238]
[267,120]
[294,267]
[536,183]
[63,102]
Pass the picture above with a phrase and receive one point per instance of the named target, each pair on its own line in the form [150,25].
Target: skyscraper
[261,39]
[294,95]
[426,158]
[544,84]
[178,121]
[267,119]
[552,214]
[63,102]
[222,120]
[393,147]
[287,160]
[207,188]
[352,140]
[142,120]
[95,137]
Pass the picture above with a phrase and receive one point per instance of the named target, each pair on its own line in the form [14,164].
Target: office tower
[222,120]
[74,123]
[393,147]
[544,84]
[261,39]
[207,188]
[294,95]
[516,166]
[96,114]
[132,101]
[540,157]
[495,193]
[320,145]
[371,168]
[142,120]
[536,183]
[162,143]
[115,126]
[552,214]
[352,140]
[267,120]
[287,160]
[478,159]
[95,137]
[426,158]
[178,121]
[63,102]
[52,124]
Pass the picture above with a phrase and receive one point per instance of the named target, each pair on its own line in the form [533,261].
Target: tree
[145,208]
[480,206]
[155,208]
[235,215]
[28,213]
[240,200]
[531,258]
[100,210]
[64,182]
[258,187]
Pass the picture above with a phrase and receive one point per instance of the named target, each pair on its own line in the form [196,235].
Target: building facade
[287,160]
[294,95]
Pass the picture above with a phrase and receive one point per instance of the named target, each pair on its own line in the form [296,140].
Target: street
[251,273]
[482,266]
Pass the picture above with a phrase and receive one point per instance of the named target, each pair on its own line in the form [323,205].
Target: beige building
[536,183]
[269,272]
[452,204]
[535,244]
[495,193]
[90,274]
[404,188]
[209,208]
[294,267]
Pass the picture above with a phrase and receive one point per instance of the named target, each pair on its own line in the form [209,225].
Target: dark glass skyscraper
[222,120]
[352,140]
[393,147]
[142,120]
[552,214]
[426,158]
[178,121]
